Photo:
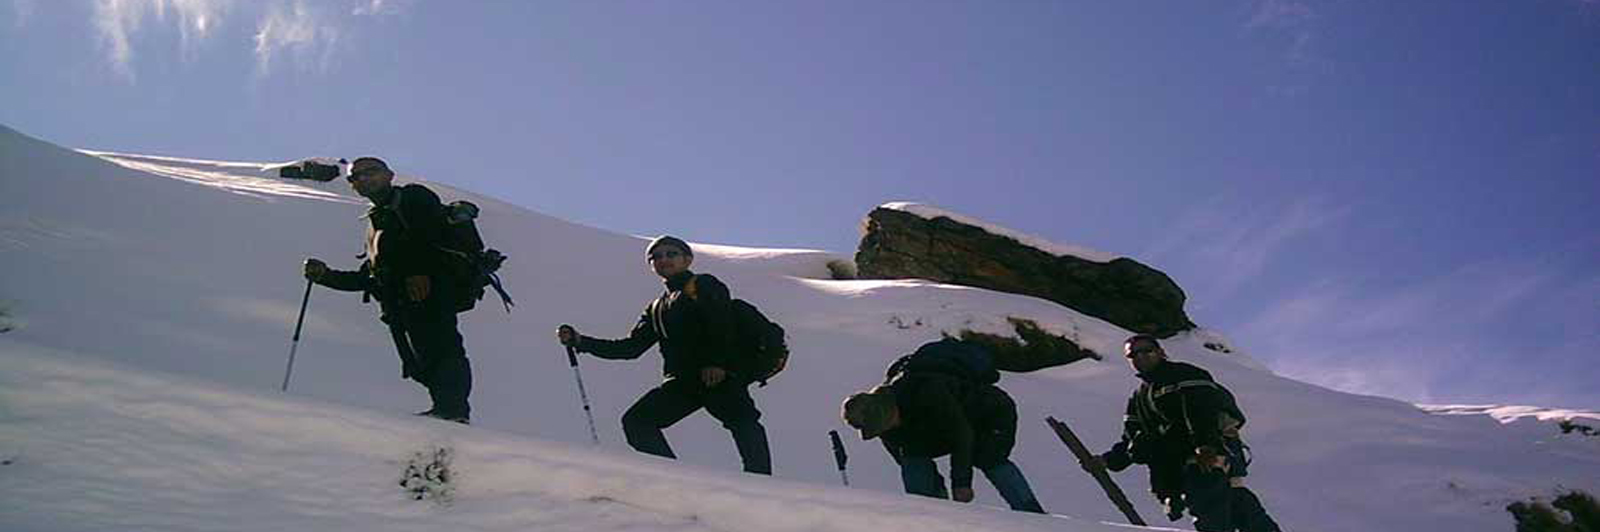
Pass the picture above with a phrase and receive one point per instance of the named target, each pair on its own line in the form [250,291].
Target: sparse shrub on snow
[1576,511]
[428,475]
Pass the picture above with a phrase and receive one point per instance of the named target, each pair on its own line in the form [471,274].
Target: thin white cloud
[24,11]
[1280,14]
[115,20]
[378,7]
[118,21]
[1408,341]
[1236,240]
[198,20]
[1292,26]
[305,33]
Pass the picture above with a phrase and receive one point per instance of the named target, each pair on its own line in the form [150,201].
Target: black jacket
[694,333]
[1177,408]
[941,414]
[404,236]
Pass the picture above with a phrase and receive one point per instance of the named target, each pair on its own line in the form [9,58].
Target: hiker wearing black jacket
[403,268]
[921,416]
[1185,428]
[693,323]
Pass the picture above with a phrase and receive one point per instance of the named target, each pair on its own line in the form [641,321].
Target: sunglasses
[1144,351]
[667,254]
[364,173]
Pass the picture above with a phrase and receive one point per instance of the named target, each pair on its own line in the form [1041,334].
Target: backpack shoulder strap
[656,321]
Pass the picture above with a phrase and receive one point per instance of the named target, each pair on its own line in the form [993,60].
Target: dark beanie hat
[666,240]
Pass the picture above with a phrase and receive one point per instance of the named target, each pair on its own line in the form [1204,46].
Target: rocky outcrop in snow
[913,241]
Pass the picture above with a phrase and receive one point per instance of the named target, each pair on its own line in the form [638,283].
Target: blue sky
[1386,197]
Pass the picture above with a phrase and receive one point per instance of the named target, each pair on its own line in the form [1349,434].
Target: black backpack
[763,339]
[473,265]
[469,265]
[963,360]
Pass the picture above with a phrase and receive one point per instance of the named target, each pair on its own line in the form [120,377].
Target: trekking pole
[572,358]
[839,457]
[295,345]
[1081,451]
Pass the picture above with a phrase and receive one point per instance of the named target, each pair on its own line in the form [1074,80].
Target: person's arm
[1121,454]
[638,341]
[345,281]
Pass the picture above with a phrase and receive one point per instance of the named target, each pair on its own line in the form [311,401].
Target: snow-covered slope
[191,268]
[92,445]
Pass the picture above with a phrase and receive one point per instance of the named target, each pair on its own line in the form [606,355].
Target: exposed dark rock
[1037,349]
[841,270]
[1569,426]
[1575,511]
[900,245]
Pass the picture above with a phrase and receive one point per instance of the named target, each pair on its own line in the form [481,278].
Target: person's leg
[449,384]
[1248,513]
[730,403]
[1013,487]
[1210,499]
[657,409]
[995,436]
[442,365]
[921,477]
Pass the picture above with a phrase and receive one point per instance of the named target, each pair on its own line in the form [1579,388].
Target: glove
[1209,459]
[1174,506]
[1095,462]
[314,269]
[567,335]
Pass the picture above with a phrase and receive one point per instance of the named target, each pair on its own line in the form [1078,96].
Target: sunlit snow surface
[90,446]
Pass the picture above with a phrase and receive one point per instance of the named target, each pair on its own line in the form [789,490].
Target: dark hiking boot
[458,419]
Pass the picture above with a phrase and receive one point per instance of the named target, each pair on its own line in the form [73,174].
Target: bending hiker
[941,400]
[404,268]
[1185,428]
[693,321]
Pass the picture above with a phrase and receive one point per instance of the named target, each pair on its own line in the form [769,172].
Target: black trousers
[1219,506]
[431,353]
[676,398]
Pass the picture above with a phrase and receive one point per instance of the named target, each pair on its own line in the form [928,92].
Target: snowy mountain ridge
[143,296]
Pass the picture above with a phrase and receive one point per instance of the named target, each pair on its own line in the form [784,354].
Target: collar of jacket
[392,200]
[1156,373]
[676,282]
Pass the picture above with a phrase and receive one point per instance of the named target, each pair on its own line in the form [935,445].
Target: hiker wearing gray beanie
[694,323]
[668,240]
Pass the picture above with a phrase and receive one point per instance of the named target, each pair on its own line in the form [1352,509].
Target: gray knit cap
[869,412]
[667,240]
